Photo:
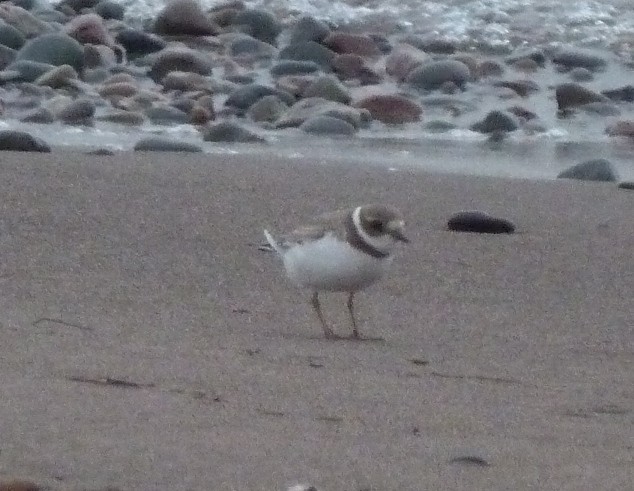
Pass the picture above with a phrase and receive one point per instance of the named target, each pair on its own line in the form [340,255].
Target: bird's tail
[272,242]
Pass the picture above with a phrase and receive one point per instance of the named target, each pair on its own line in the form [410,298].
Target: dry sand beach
[146,343]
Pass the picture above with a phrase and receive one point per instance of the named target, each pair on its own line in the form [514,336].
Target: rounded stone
[327,125]
[10,36]
[179,59]
[479,222]
[496,121]
[139,43]
[293,67]
[591,170]
[309,51]
[574,57]
[433,75]
[158,144]
[268,109]
[184,17]
[327,87]
[243,97]
[108,9]
[258,23]
[309,29]
[55,49]
[20,141]
[391,109]
[572,95]
[344,42]
[228,131]
[78,112]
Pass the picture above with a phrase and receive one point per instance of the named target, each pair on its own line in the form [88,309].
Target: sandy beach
[147,344]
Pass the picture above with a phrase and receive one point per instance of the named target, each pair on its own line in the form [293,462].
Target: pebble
[20,141]
[159,144]
[479,222]
[591,170]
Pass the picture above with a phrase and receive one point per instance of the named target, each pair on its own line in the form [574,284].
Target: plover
[343,251]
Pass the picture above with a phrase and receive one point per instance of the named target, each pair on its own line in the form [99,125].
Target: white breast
[333,265]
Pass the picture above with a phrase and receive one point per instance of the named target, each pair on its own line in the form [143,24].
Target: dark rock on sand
[308,29]
[59,77]
[41,115]
[591,170]
[479,222]
[243,97]
[229,131]
[139,43]
[348,43]
[327,125]
[439,126]
[327,87]
[108,9]
[260,24]
[78,112]
[54,49]
[293,67]
[179,59]
[184,17]
[438,46]
[20,141]
[433,75]
[629,185]
[391,108]
[268,109]
[572,95]
[158,144]
[10,36]
[572,57]
[622,94]
[309,51]
[496,121]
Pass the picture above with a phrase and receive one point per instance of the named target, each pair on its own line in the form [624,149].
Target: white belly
[332,265]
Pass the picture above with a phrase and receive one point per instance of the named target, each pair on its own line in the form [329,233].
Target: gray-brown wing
[317,228]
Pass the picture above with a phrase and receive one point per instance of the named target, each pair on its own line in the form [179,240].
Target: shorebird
[343,251]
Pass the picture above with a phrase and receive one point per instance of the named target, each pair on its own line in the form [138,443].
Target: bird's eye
[376,226]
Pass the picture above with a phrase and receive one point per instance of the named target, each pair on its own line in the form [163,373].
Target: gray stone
[591,170]
[269,109]
[41,115]
[179,59]
[108,9]
[139,43]
[164,114]
[496,121]
[574,57]
[25,71]
[228,131]
[309,29]
[434,74]
[327,87]
[20,141]
[243,97]
[247,46]
[78,112]
[327,125]
[293,67]
[184,17]
[571,95]
[309,51]
[10,36]
[158,144]
[55,49]
[260,24]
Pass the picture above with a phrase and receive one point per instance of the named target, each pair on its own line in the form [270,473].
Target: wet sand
[147,344]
